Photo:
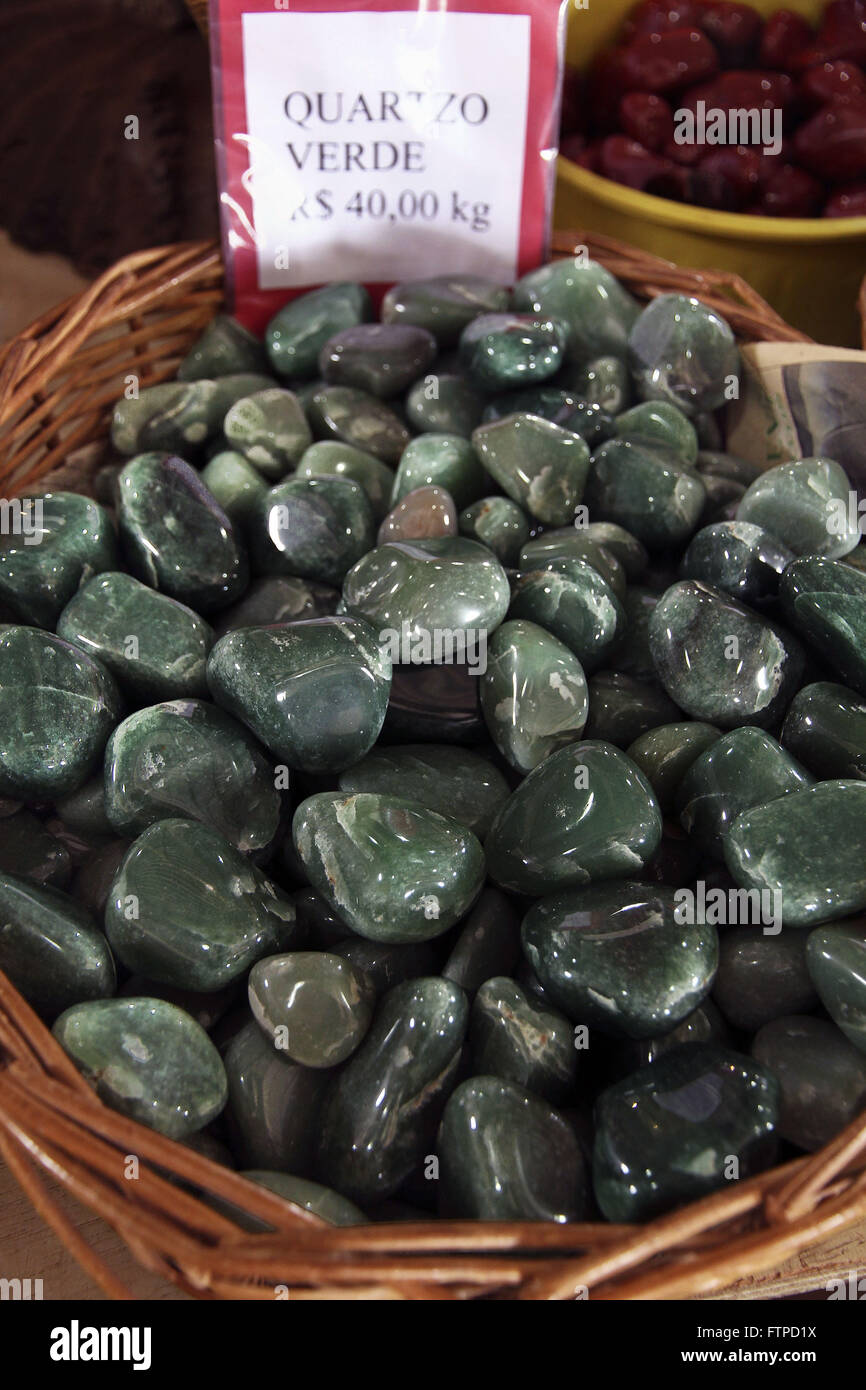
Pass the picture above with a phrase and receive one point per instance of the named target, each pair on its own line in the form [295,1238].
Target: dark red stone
[830,82]
[734,29]
[648,119]
[790,192]
[669,61]
[657,16]
[630,163]
[849,201]
[832,145]
[741,90]
[785,35]
[729,179]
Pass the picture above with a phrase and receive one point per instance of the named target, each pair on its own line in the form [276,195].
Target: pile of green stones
[555,924]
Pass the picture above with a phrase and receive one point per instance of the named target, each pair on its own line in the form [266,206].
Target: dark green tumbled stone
[630,653]
[297,333]
[703,1025]
[645,490]
[312,1005]
[762,976]
[269,429]
[177,539]
[379,1119]
[333,458]
[822,1078]
[665,754]
[620,543]
[440,460]
[533,694]
[393,870]
[572,601]
[274,1105]
[67,540]
[50,947]
[186,908]
[743,769]
[808,847]
[717,464]
[176,417]
[503,351]
[667,1134]
[225,347]
[32,852]
[825,601]
[805,505]
[498,523]
[147,1059]
[453,781]
[739,558]
[278,598]
[547,402]
[593,304]
[719,660]
[57,708]
[573,543]
[382,358]
[208,1009]
[93,880]
[444,304]
[660,425]
[622,708]
[187,758]
[313,528]
[836,957]
[444,404]
[591,422]
[825,728]
[314,693]
[537,463]
[384,965]
[520,1040]
[603,383]
[585,813]
[434,704]
[683,352]
[355,417]
[324,1202]
[237,486]
[616,956]
[155,647]
[488,944]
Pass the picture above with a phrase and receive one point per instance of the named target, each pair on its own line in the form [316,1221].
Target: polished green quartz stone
[521,1040]
[187,908]
[506,1155]
[443,403]
[504,351]
[625,547]
[440,460]
[456,782]
[488,943]
[444,304]
[533,694]
[312,1005]
[665,753]
[703,1025]
[50,947]
[573,543]
[230,390]
[393,870]
[237,486]
[743,769]
[825,728]
[270,429]
[668,1134]
[719,660]
[603,383]
[57,708]
[175,417]
[649,492]
[825,601]
[313,528]
[426,513]
[660,425]
[590,421]
[381,358]
[155,647]
[836,957]
[537,463]
[590,301]
[54,544]
[630,654]
[716,463]
[570,600]
[723,498]
[498,523]
[547,402]
[808,847]
[384,965]
[225,347]
[762,975]
[147,1059]
[422,591]
[278,598]
[314,692]
[32,852]
[274,1105]
[323,1202]
[187,758]
[805,505]
[585,813]
[379,1119]
[739,558]
[618,957]
[821,1076]
[297,333]
[622,708]
[176,537]
[355,417]
[684,353]
[333,458]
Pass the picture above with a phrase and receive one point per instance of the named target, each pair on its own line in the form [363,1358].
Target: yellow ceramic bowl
[810,269]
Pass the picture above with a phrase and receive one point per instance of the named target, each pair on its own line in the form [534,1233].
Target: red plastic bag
[383,140]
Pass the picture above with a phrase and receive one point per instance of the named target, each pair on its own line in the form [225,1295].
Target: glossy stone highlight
[647,491]
[683,352]
[516,1038]
[50,546]
[825,728]
[533,694]
[270,429]
[313,528]
[314,1006]
[805,505]
[382,358]
[446,461]
[51,948]
[836,957]
[502,351]
[297,333]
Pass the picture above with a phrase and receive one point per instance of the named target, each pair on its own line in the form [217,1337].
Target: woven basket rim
[145,312]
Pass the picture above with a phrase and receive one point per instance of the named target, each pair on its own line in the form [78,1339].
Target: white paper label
[391,144]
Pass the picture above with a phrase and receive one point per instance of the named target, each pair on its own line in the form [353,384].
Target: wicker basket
[57,383]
